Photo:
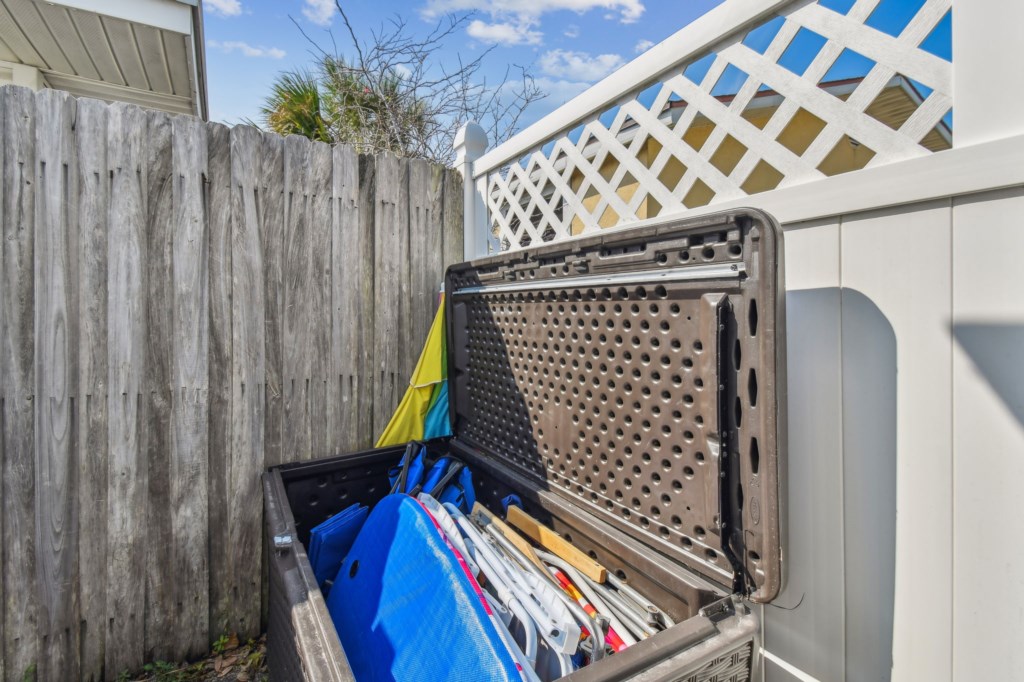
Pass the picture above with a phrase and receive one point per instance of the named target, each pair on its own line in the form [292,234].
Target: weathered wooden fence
[184,304]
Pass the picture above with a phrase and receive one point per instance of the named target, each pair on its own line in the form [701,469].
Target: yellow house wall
[891,108]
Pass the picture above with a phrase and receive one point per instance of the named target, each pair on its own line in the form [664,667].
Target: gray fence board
[220,207]
[21,594]
[401,370]
[188,460]
[3,383]
[248,365]
[56,377]
[321,417]
[181,306]
[391,246]
[351,298]
[452,225]
[93,183]
[364,308]
[296,314]
[127,495]
[158,393]
[425,245]
[271,223]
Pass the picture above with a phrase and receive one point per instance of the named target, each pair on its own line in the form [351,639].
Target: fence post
[987,97]
[470,144]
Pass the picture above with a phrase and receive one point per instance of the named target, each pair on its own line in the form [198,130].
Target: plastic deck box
[630,388]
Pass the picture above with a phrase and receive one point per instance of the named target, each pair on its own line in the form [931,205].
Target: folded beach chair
[330,542]
[445,478]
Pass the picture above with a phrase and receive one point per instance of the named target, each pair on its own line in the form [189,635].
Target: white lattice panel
[762,110]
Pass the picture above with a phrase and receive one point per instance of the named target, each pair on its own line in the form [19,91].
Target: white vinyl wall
[904,545]
[906,422]
[904,538]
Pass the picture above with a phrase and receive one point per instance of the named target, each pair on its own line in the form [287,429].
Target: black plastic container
[628,387]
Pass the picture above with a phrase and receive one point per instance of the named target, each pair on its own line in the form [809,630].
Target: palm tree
[340,104]
[294,107]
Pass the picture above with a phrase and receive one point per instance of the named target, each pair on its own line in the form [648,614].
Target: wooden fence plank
[296,271]
[56,306]
[93,183]
[391,277]
[126,318]
[352,299]
[158,396]
[368,233]
[248,371]
[179,302]
[408,352]
[322,414]
[21,594]
[436,248]
[3,374]
[425,251]
[188,467]
[220,211]
[454,240]
[271,216]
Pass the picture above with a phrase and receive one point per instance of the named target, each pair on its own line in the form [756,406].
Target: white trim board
[171,15]
[109,92]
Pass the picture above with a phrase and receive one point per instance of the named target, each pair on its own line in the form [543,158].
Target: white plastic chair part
[578,612]
[626,633]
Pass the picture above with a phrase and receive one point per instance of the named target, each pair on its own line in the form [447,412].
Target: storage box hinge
[581,265]
[719,610]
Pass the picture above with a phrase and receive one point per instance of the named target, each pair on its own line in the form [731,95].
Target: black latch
[283,543]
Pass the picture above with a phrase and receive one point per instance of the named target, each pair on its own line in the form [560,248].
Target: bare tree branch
[394,94]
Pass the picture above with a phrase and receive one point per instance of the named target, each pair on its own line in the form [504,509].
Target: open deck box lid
[641,375]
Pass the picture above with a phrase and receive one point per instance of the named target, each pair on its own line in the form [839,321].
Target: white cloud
[559,90]
[525,16]
[571,31]
[225,8]
[627,11]
[643,45]
[579,66]
[246,49]
[320,12]
[503,33]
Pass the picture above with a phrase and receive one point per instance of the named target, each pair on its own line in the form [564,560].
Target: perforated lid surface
[639,373]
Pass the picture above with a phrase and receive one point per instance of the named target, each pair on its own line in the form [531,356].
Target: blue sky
[569,44]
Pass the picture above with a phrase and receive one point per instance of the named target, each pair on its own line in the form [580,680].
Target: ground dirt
[230,661]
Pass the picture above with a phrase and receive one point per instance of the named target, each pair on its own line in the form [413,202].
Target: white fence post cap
[470,142]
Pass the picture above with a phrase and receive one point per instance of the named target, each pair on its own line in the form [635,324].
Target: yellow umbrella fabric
[426,387]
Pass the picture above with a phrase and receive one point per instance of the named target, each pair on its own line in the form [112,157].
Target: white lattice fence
[771,105]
